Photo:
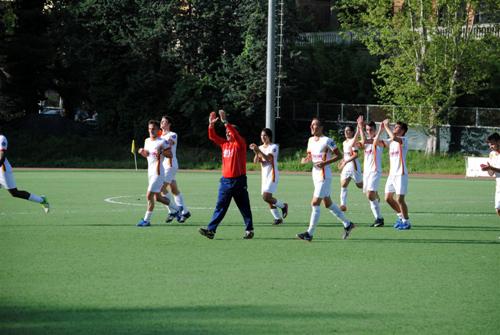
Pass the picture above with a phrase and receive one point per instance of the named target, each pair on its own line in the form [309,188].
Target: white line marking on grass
[113,200]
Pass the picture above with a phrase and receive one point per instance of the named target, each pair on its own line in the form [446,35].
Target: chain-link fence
[470,126]
[459,116]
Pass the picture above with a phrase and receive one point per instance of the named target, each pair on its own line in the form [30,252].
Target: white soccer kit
[353,168]
[397,182]
[372,166]
[6,176]
[270,173]
[321,149]
[495,162]
[170,164]
[156,172]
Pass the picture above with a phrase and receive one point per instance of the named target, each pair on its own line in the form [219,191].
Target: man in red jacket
[233,183]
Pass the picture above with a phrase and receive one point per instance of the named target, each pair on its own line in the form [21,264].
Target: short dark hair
[319,121]
[154,122]
[350,127]
[268,132]
[372,124]
[168,118]
[403,125]
[495,137]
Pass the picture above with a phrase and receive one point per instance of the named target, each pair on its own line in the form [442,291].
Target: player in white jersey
[493,165]
[155,149]
[397,182]
[349,165]
[8,182]
[372,166]
[319,151]
[171,166]
[267,156]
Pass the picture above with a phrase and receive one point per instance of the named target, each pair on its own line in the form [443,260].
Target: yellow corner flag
[132,149]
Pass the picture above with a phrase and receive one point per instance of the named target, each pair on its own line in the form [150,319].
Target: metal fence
[462,116]
[466,135]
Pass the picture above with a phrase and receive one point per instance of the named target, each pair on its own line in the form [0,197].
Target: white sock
[169,198]
[172,208]
[343,196]
[279,204]
[148,215]
[406,220]
[314,220]
[375,206]
[179,201]
[276,213]
[335,210]
[35,198]
[400,216]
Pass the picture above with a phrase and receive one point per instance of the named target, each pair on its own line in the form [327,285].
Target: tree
[430,56]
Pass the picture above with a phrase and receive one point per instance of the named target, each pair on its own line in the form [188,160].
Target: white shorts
[155,183]
[269,186]
[170,174]
[371,181]
[351,173]
[397,184]
[7,180]
[322,189]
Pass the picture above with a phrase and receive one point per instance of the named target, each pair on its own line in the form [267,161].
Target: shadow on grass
[171,320]
[410,240]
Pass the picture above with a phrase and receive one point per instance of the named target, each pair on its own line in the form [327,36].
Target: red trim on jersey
[272,167]
[401,158]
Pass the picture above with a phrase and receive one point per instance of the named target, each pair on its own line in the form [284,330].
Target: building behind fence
[468,133]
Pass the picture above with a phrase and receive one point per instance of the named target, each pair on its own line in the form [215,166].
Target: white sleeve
[275,151]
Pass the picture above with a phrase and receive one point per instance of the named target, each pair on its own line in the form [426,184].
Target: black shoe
[284,210]
[172,216]
[378,223]
[347,231]
[248,235]
[184,217]
[207,233]
[277,222]
[305,236]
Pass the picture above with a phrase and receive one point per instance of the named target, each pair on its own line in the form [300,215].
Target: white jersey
[320,149]
[397,157]
[373,158]
[6,167]
[155,155]
[171,138]
[495,162]
[270,169]
[350,149]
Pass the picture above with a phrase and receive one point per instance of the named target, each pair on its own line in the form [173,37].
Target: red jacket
[234,153]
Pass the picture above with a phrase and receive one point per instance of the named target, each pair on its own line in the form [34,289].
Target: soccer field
[85,268]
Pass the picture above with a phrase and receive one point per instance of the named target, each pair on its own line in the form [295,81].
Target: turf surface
[86,269]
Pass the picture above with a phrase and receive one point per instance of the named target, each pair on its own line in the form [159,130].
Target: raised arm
[390,133]
[361,131]
[212,135]
[237,137]
[376,140]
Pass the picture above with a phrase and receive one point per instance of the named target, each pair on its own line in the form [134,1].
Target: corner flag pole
[132,150]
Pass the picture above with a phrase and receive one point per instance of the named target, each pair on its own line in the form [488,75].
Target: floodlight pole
[271,70]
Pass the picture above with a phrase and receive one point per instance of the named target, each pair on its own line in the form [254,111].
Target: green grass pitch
[86,269]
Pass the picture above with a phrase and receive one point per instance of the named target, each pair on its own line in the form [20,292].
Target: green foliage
[429,58]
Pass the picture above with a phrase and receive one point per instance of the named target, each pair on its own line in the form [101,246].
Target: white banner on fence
[473,167]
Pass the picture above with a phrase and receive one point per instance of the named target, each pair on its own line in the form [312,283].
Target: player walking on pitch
[267,156]
[372,169]
[493,165]
[155,149]
[397,182]
[319,152]
[8,182]
[233,184]
[349,165]
[171,166]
